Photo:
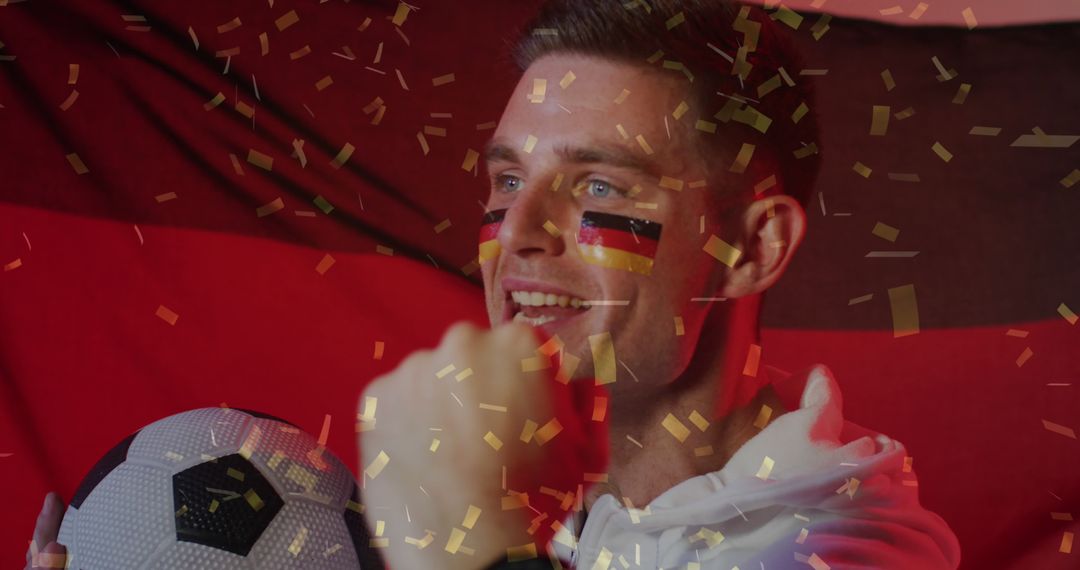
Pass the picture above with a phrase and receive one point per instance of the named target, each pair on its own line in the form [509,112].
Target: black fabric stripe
[642,228]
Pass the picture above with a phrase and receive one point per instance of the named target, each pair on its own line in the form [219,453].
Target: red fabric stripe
[618,240]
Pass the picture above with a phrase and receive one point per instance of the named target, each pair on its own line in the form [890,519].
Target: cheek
[618,242]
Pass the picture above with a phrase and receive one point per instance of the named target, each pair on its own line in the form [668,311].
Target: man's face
[609,151]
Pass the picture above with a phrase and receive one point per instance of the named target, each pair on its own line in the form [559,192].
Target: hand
[441,459]
[44,551]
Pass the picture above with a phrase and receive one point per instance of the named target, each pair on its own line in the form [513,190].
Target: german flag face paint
[618,242]
[489,235]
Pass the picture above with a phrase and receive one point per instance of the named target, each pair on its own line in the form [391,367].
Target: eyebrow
[595,153]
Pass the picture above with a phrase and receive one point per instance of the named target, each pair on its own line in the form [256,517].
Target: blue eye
[507,183]
[601,189]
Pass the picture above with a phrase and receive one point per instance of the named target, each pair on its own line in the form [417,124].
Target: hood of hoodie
[807,472]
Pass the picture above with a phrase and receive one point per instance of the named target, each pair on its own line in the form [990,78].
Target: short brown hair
[687,37]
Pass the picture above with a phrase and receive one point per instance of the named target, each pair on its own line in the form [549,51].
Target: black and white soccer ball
[215,489]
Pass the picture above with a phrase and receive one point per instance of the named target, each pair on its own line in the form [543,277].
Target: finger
[48,522]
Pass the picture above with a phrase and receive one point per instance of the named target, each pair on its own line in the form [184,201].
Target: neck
[714,386]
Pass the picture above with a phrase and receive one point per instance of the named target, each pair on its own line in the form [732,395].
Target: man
[647,176]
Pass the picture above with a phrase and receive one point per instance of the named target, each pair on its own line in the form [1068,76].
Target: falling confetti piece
[442,80]
[77,164]
[942,152]
[274,206]
[1059,429]
[1067,313]
[753,359]
[377,465]
[885,232]
[676,428]
[325,264]
[603,354]
[766,468]
[167,315]
[1024,357]
[288,19]
[905,311]
[723,251]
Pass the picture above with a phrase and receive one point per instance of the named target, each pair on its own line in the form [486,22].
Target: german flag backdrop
[265,204]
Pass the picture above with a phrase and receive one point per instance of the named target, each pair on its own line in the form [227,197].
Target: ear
[770,230]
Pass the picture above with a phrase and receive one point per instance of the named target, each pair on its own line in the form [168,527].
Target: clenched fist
[476,447]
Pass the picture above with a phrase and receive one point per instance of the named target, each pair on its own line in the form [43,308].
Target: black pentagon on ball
[361,536]
[224,503]
[104,466]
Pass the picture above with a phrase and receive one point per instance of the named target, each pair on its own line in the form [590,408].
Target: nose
[532,224]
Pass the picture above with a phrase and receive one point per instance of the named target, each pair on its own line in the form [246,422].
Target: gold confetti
[245,109]
[705,126]
[453,544]
[261,160]
[679,329]
[862,169]
[787,16]
[969,18]
[820,27]
[742,159]
[769,86]
[567,79]
[723,251]
[463,374]
[254,500]
[298,541]
[229,26]
[800,112]
[539,89]
[442,226]
[885,232]
[548,431]
[1024,357]
[400,14]
[274,206]
[530,144]
[528,431]
[603,354]
[324,83]
[962,93]
[1066,543]
[377,465]
[699,421]
[675,20]
[434,445]
[941,152]
[286,20]
[493,441]
[523,552]
[671,183]
[676,428]
[471,158]
[443,80]
[555,184]
[766,468]
[264,43]
[918,11]
[380,347]
[644,145]
[1043,140]
[214,102]
[423,143]
[1059,429]
[887,78]
[879,124]
[471,515]
[891,11]
[342,156]
[77,163]
[806,151]
[817,563]
[703,451]
[680,110]
[552,229]
[599,408]
[763,417]
[903,176]
[167,315]
[515,501]
[324,264]
[905,311]
[753,359]
[165,197]
[1067,313]
[1071,179]
[491,407]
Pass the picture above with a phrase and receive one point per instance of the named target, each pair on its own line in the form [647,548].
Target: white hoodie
[837,496]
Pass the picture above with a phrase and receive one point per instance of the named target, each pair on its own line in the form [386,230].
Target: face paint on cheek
[618,242]
[489,235]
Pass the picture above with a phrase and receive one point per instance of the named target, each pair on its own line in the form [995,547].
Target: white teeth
[521,318]
[538,299]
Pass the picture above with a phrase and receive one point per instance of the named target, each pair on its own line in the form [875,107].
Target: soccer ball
[218,488]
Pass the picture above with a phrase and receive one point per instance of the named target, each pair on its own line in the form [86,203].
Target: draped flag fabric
[267,204]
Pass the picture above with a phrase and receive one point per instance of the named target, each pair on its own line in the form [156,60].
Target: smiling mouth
[536,308]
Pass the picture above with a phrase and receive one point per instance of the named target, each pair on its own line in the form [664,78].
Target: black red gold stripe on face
[618,242]
[489,235]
